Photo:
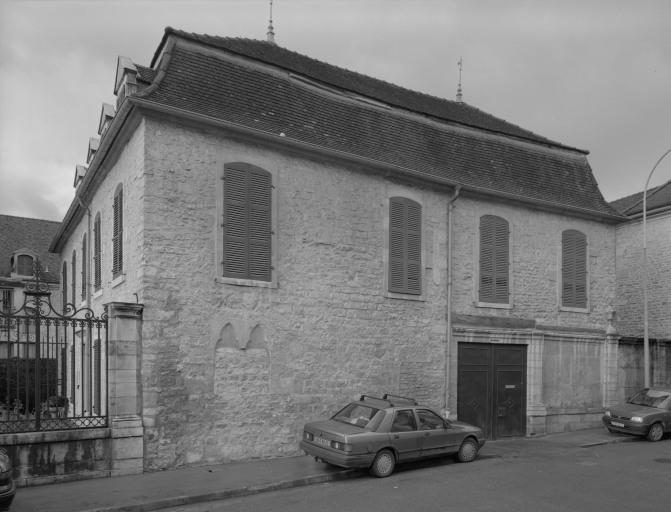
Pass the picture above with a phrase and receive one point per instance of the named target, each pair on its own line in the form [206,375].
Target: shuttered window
[494,256]
[117,234]
[247,224]
[84,269]
[64,284]
[405,246]
[97,281]
[574,269]
[74,276]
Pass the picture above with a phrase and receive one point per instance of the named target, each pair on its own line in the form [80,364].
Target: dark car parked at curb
[7,485]
[647,413]
[377,433]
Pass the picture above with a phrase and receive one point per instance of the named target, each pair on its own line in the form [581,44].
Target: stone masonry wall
[629,303]
[233,372]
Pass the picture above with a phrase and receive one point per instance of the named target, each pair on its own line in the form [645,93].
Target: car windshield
[650,398]
[356,414]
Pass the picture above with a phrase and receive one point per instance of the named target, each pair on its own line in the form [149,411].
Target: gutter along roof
[261,88]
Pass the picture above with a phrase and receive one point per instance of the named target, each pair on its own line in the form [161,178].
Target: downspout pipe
[448,333]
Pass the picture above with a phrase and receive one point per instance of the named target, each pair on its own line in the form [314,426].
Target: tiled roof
[453,111]
[251,96]
[657,197]
[32,234]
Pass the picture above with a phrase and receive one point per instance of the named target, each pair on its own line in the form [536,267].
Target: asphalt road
[625,477]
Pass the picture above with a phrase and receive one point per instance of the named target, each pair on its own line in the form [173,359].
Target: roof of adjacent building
[34,235]
[656,198]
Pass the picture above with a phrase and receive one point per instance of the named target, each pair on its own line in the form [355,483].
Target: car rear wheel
[383,464]
[467,451]
[656,432]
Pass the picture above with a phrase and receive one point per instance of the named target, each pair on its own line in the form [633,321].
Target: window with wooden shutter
[247,228]
[24,265]
[97,280]
[405,246]
[494,260]
[574,269]
[64,284]
[74,276]
[117,234]
[84,269]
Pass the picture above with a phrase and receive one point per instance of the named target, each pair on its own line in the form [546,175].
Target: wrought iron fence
[53,366]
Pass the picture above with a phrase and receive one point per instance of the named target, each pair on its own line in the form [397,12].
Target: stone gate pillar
[124,335]
[610,365]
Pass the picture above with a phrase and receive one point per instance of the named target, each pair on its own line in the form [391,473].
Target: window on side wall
[247,223]
[84,267]
[97,281]
[574,269]
[64,284]
[405,246]
[117,233]
[494,269]
[74,276]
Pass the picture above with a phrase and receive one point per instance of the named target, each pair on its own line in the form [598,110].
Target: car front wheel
[656,432]
[467,451]
[383,464]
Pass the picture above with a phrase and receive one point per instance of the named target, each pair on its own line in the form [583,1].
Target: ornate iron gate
[53,366]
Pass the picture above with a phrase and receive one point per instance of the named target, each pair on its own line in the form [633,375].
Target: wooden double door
[492,388]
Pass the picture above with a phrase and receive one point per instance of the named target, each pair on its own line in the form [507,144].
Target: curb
[610,441]
[178,501]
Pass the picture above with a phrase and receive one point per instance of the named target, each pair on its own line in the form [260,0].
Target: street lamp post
[646,341]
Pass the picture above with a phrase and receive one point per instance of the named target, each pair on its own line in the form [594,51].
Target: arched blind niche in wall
[405,246]
[574,269]
[494,282]
[247,226]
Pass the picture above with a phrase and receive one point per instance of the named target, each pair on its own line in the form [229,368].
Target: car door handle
[396,436]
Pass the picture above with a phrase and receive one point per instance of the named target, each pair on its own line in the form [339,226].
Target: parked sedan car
[647,413]
[377,433]
[7,485]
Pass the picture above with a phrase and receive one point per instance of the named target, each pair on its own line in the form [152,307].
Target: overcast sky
[592,74]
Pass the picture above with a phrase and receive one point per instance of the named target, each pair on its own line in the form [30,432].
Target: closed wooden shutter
[405,246]
[97,281]
[117,234]
[247,223]
[84,269]
[74,276]
[574,269]
[24,265]
[64,284]
[494,256]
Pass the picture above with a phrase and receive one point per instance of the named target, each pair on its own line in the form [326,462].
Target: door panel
[492,388]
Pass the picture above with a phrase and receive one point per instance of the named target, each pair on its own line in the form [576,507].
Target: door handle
[396,436]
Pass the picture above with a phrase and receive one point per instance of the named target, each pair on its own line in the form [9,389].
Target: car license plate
[323,442]
[616,424]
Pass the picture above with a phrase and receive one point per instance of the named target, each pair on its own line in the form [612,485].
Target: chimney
[126,79]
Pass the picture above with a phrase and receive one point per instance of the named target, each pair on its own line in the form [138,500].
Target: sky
[591,74]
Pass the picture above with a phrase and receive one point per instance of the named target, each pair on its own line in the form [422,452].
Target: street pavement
[185,486]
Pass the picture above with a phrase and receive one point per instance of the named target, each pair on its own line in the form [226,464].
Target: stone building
[24,242]
[298,234]
[631,279]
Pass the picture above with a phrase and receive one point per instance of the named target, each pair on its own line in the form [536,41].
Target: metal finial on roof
[271,32]
[460,63]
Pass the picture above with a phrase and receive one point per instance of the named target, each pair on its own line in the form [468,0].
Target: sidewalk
[164,489]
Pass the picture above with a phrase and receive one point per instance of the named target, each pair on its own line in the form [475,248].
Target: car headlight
[637,419]
[307,436]
[607,413]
